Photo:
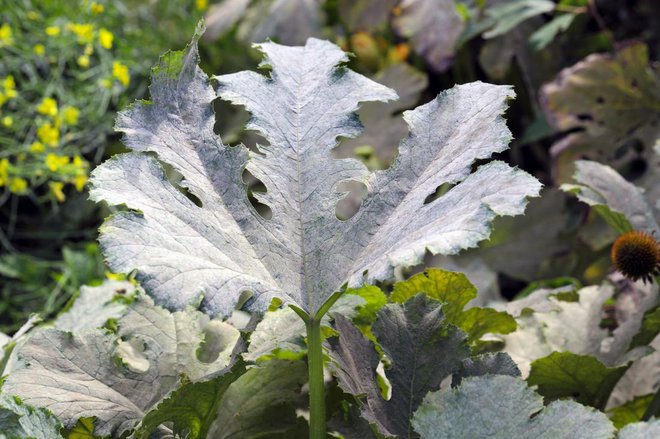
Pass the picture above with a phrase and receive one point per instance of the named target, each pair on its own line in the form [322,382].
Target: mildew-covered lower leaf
[217,247]
[421,350]
[18,420]
[118,378]
[499,406]
[609,103]
[546,323]
[621,203]
[94,306]
[492,363]
[421,20]
[641,430]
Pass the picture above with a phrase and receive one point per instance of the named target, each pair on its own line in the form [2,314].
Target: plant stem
[654,407]
[316,385]
[317,428]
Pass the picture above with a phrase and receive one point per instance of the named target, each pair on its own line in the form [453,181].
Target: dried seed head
[636,255]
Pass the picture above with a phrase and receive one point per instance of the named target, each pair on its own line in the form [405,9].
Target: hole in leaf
[218,336]
[600,100]
[230,122]
[349,205]
[254,188]
[440,191]
[584,117]
[131,355]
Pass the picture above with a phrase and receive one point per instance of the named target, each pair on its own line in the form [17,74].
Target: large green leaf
[454,291]
[492,407]
[421,350]
[262,402]
[191,408]
[581,377]
[303,253]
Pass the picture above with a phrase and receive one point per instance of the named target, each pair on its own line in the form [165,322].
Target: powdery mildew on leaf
[118,378]
[303,254]
[499,406]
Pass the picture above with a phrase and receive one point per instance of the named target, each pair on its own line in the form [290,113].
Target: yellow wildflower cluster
[120,72]
[48,107]
[8,90]
[6,35]
[70,115]
[52,31]
[105,38]
[4,171]
[201,5]
[84,32]
[48,134]
[96,8]
[16,185]
[54,162]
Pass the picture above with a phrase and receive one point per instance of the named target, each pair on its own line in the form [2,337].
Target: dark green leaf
[581,377]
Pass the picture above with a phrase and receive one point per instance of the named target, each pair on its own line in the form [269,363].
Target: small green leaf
[477,322]
[581,377]
[630,412]
[508,15]
[546,33]
[454,290]
[649,330]
[374,299]
[191,408]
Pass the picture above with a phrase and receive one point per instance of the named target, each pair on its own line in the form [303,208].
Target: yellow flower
[83,61]
[48,107]
[120,71]
[18,185]
[55,162]
[39,49]
[8,83]
[4,166]
[37,147]
[7,121]
[78,162]
[6,38]
[84,32]
[105,38]
[70,115]
[79,182]
[201,5]
[56,189]
[48,134]
[53,31]
[105,83]
[89,49]
[96,8]
[32,15]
